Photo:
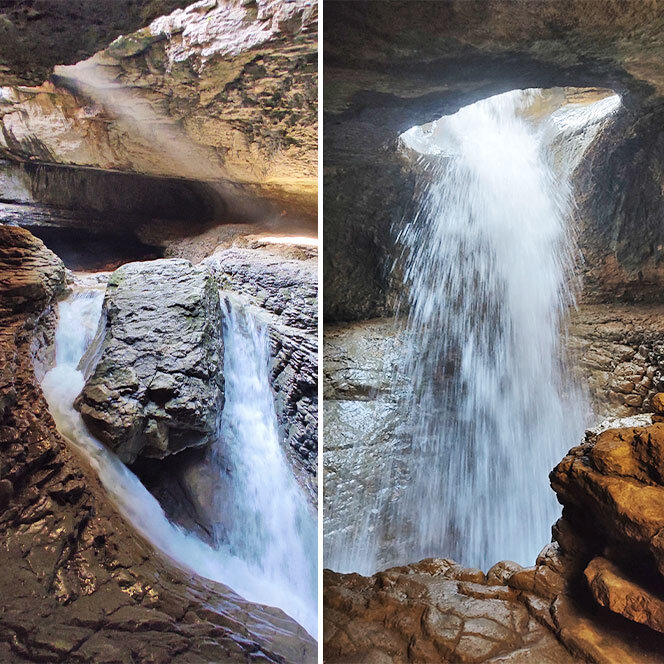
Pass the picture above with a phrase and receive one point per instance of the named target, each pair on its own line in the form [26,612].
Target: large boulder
[158,385]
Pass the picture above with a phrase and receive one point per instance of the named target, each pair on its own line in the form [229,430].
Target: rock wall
[79,584]
[222,90]
[362,443]
[279,284]
[618,350]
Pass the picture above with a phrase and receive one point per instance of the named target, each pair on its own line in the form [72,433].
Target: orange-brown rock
[30,274]
[614,591]
[425,612]
[613,491]
[595,593]
[658,403]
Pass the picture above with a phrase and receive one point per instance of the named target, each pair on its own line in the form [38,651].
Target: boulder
[31,276]
[158,385]
[612,488]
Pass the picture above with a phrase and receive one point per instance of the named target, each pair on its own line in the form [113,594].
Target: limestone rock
[613,590]
[605,639]
[35,37]
[425,613]
[657,402]
[280,284]
[158,385]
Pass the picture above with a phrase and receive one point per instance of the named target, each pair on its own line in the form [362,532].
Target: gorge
[491,290]
[158,278]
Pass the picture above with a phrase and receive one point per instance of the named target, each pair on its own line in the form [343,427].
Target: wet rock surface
[78,584]
[431,611]
[32,276]
[597,589]
[158,385]
[362,441]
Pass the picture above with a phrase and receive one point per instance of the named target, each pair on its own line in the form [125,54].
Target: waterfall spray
[489,278]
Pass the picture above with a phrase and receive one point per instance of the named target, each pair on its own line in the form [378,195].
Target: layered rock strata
[618,353]
[78,584]
[223,91]
[157,387]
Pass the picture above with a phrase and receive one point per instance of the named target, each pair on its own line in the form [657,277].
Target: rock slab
[158,385]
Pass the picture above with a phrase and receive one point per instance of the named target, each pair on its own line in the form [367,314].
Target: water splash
[237,563]
[489,278]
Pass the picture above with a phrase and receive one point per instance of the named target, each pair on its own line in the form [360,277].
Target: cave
[440,398]
[158,331]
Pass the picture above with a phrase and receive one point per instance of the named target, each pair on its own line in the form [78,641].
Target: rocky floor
[595,594]
[78,584]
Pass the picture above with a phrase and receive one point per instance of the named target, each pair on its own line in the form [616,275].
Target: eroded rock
[32,276]
[613,590]
[78,583]
[158,385]
[432,611]
[218,90]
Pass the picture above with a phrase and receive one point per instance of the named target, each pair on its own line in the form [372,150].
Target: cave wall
[222,90]
[391,66]
[618,190]
[36,35]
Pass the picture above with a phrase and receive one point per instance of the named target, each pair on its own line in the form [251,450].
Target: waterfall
[272,524]
[488,262]
[253,559]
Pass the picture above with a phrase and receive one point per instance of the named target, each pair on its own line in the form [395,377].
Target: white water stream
[269,555]
[489,276]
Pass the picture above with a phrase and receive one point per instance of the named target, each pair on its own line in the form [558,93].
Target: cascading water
[489,271]
[272,526]
[269,556]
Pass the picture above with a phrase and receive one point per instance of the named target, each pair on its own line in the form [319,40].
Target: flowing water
[489,278]
[269,556]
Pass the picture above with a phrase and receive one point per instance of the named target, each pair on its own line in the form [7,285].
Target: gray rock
[158,385]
